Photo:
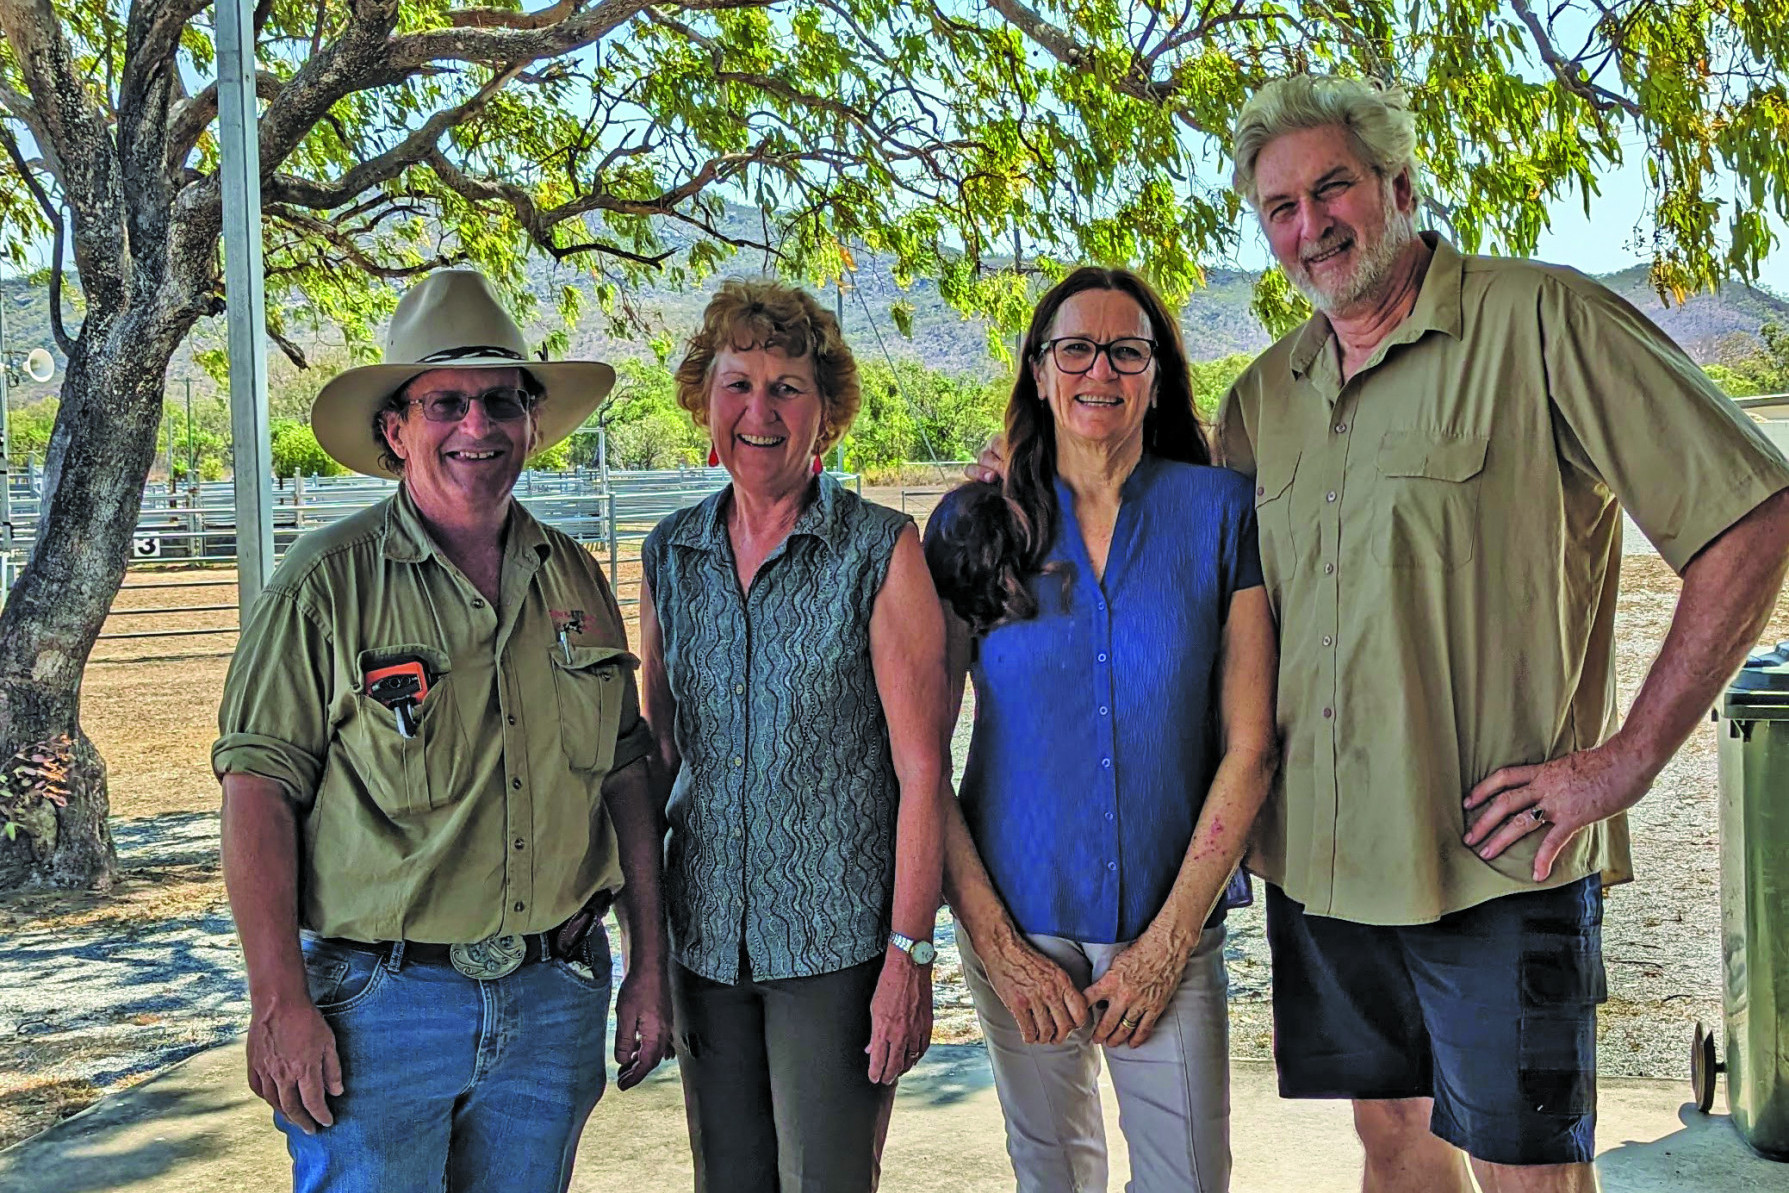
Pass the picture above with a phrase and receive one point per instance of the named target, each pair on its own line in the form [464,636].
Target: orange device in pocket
[400,685]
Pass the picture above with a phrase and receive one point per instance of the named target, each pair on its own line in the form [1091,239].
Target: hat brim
[342,415]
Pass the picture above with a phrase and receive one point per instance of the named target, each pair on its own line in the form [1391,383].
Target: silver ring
[1537,814]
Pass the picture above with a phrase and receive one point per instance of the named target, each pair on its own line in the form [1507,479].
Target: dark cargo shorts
[1491,1011]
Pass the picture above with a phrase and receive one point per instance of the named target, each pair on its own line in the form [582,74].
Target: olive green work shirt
[491,818]
[1441,541]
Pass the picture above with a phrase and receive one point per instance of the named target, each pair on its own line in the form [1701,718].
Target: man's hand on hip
[292,1063]
[642,1024]
[1562,797]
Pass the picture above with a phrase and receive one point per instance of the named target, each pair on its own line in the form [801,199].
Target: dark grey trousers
[776,1082]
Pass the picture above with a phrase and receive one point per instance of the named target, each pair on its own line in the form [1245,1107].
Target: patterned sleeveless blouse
[783,813]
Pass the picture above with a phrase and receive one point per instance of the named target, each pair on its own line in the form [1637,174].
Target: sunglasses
[504,404]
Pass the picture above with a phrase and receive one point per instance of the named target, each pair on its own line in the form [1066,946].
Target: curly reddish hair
[748,315]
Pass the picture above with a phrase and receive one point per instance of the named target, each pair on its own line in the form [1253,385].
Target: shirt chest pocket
[1425,508]
[407,775]
[590,682]
[1273,513]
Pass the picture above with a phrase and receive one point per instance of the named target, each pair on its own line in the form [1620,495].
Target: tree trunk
[100,452]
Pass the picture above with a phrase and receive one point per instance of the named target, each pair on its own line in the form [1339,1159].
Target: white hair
[1377,117]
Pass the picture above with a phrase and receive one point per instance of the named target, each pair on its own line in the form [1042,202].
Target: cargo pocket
[1426,506]
[1562,982]
[409,775]
[589,685]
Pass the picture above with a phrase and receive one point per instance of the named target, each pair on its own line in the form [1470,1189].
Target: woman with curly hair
[793,669]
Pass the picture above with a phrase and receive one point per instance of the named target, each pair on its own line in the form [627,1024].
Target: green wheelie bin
[1754,817]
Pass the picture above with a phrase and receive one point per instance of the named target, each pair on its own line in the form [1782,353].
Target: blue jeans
[450,1082]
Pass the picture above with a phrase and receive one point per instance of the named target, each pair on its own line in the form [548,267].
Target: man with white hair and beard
[1441,456]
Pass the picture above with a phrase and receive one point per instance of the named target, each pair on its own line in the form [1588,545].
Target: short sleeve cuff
[270,758]
[632,745]
[1715,512]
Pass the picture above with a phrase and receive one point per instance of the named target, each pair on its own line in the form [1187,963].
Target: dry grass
[32,1104]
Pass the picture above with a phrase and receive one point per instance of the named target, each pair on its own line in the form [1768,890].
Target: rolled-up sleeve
[273,720]
[1639,416]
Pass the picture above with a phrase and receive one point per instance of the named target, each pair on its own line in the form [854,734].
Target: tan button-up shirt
[491,818]
[1441,540]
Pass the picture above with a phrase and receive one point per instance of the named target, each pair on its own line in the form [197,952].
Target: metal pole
[240,167]
[192,458]
[173,485]
[614,546]
[602,453]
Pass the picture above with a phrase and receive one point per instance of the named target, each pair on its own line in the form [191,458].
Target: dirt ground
[154,719]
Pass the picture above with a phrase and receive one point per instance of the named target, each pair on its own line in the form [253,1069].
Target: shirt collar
[407,540]
[1438,308]
[706,529]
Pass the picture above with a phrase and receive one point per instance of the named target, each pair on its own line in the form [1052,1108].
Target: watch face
[923,952]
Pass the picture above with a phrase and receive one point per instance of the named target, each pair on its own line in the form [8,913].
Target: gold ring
[1132,1023]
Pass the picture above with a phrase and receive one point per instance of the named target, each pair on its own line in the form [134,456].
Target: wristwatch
[921,951]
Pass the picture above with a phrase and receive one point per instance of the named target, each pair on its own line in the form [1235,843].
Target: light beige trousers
[1173,1092]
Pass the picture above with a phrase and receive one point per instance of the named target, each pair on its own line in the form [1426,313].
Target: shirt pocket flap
[1433,455]
[1273,477]
[583,658]
[589,701]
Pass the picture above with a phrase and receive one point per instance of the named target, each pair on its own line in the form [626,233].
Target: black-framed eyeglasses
[1075,355]
[504,404]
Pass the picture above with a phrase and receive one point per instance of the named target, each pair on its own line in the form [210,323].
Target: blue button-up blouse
[1096,735]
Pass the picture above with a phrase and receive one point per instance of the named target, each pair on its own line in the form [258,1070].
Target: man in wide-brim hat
[433,765]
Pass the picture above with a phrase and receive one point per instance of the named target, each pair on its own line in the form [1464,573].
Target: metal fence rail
[611,514]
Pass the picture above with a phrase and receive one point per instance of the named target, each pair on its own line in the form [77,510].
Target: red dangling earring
[819,465]
[714,456]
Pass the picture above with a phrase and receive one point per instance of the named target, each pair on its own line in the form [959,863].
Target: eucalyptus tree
[973,142]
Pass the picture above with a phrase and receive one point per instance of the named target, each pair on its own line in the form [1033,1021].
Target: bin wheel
[1703,1068]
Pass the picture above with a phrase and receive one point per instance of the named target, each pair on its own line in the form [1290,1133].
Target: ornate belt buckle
[491,958]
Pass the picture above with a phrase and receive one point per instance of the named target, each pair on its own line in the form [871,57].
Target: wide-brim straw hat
[450,320]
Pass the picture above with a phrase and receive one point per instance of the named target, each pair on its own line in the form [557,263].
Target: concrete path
[196,1128]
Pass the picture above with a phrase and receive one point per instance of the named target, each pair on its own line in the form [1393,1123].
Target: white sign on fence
[146,546]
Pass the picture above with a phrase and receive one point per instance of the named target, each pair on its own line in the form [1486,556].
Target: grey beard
[1398,231]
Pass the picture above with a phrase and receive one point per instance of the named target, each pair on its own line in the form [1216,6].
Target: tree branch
[388,165]
[1600,99]
[191,117]
[72,128]
[57,330]
[502,18]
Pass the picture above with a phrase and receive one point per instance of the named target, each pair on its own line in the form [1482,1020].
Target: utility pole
[239,167]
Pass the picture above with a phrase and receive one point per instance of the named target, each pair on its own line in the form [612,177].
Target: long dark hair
[985,559]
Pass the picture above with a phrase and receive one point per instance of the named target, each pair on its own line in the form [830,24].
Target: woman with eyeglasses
[1107,600]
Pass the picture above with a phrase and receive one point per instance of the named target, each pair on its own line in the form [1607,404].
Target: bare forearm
[1237,792]
[259,850]
[974,902]
[919,848]
[1729,591]
[639,835]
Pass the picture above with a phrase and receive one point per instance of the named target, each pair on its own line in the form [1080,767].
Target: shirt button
[516,783]
[1106,763]
[1341,428]
[478,602]
[1329,569]
[1108,815]
[510,719]
[1111,865]
[1328,713]
[1102,710]
[1260,490]
[520,906]
[1331,496]
[738,761]
[1328,641]
[1102,656]
[521,844]
[739,689]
